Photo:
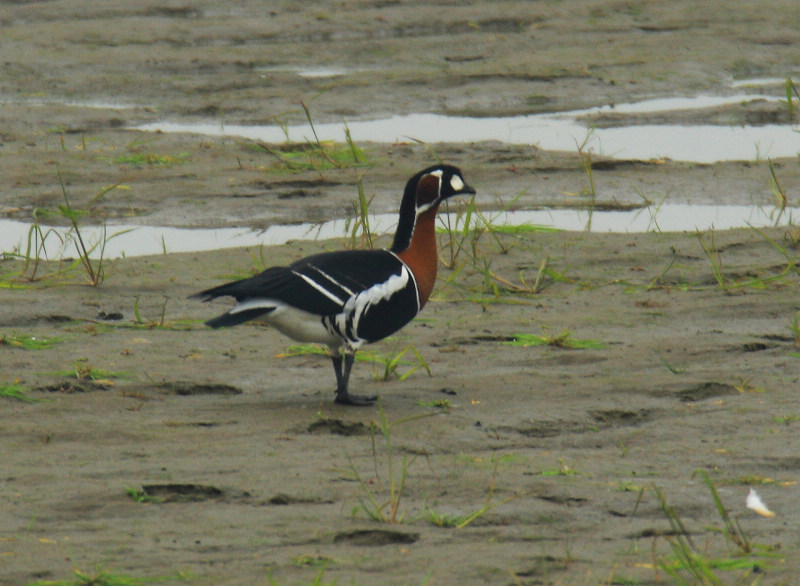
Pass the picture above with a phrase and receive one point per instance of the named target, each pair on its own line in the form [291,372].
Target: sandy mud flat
[143,444]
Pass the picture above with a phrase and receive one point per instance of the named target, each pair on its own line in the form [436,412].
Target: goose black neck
[408,212]
[405,225]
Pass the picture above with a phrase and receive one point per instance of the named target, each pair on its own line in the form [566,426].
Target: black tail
[229,319]
[234,319]
[220,291]
[260,286]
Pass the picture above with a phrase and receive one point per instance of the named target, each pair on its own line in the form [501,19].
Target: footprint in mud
[189,493]
[184,389]
[560,499]
[109,315]
[755,347]
[375,537]
[338,427]
[473,340]
[542,429]
[620,417]
[544,565]
[75,386]
[23,320]
[601,418]
[282,499]
[708,390]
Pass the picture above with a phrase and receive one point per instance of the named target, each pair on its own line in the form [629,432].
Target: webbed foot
[345,398]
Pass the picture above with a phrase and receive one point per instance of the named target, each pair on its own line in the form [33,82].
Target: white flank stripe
[359,304]
[410,274]
[255,303]
[332,280]
[319,288]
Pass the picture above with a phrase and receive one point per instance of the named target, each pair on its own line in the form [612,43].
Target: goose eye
[456,183]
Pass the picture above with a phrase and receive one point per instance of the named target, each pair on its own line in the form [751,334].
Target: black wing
[319,284]
[382,292]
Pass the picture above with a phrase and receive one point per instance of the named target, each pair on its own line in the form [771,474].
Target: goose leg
[342,369]
[336,358]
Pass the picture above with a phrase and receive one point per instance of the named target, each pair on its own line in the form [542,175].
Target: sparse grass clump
[358,228]
[468,240]
[562,340]
[383,503]
[459,521]
[443,404]
[693,563]
[106,577]
[708,243]
[795,329]
[82,370]
[787,418]
[15,391]
[464,229]
[139,159]
[320,156]
[563,469]
[314,155]
[139,156]
[140,496]
[791,94]
[90,254]
[390,363]
[384,496]
[27,342]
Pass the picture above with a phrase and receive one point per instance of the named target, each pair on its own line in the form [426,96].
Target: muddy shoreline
[178,452]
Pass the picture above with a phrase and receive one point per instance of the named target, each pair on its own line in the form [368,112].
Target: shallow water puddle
[312,72]
[132,240]
[553,131]
[90,104]
[757,82]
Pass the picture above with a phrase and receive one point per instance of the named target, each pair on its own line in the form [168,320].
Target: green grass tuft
[144,159]
[391,363]
[562,340]
[27,342]
[109,578]
[691,563]
[85,371]
[314,155]
[15,391]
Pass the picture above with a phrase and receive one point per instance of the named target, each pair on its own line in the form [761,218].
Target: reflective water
[757,82]
[129,240]
[552,131]
[93,104]
[312,72]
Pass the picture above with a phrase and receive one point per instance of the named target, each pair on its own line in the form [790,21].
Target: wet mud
[151,446]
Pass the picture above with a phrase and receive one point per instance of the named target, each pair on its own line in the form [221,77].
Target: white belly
[300,325]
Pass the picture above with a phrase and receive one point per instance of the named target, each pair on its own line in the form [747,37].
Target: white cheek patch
[456,183]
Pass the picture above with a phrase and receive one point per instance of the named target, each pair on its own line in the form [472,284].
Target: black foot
[346,398]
